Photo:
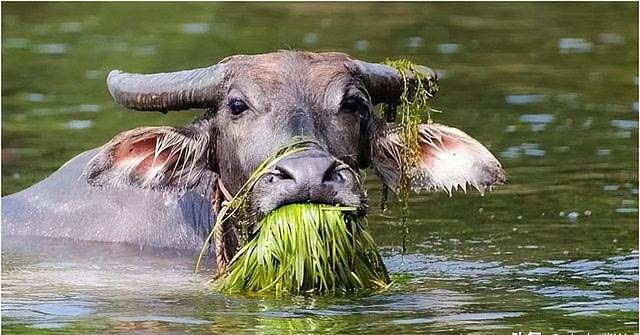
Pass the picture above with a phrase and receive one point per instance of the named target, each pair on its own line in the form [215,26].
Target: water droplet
[534,152]
[310,38]
[624,124]
[195,28]
[511,152]
[561,213]
[626,210]
[538,127]
[603,152]
[89,108]
[71,27]
[573,216]
[528,145]
[79,124]
[414,42]
[524,99]
[519,217]
[611,38]
[51,49]
[537,118]
[448,48]
[611,187]
[35,97]
[511,128]
[574,45]
[587,213]
[361,45]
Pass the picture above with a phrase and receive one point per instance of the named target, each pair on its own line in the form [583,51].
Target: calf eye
[237,106]
[354,104]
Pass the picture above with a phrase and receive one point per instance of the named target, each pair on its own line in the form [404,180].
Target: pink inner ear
[139,154]
[430,152]
[451,159]
[150,162]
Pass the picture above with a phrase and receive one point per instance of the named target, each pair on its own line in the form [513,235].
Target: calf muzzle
[310,176]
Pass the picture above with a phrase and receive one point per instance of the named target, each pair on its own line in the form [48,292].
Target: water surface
[550,89]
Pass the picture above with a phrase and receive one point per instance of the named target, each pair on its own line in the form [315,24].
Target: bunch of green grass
[296,248]
[307,248]
[235,206]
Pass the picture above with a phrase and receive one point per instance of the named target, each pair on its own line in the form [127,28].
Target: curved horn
[162,92]
[385,83]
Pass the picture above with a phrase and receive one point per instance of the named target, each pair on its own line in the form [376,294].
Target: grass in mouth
[307,248]
[232,210]
[297,248]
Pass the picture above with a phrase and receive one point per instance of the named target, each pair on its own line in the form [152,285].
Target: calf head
[256,104]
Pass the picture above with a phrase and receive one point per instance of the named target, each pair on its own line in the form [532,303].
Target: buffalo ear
[151,157]
[448,159]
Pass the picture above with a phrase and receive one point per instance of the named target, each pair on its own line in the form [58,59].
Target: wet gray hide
[65,206]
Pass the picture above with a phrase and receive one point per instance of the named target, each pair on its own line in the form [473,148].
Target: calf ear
[151,157]
[448,159]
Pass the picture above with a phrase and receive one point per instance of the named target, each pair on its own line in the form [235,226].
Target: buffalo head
[255,104]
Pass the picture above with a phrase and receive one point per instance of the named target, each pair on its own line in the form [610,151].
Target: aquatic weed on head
[414,103]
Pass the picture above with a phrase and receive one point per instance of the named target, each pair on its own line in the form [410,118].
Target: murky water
[551,89]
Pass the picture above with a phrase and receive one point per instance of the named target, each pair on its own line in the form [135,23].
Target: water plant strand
[413,104]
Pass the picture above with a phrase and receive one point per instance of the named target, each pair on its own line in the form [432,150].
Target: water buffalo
[161,186]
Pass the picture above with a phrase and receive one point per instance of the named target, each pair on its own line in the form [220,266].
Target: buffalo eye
[237,106]
[354,104]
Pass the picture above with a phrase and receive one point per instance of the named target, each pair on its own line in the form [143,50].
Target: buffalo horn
[163,92]
[385,83]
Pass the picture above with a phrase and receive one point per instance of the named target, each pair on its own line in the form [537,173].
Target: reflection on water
[551,91]
[58,284]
